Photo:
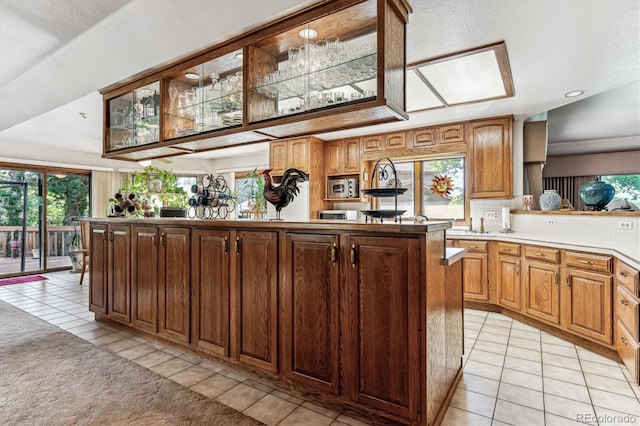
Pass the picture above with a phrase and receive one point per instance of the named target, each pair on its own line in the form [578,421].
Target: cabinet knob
[539,254]
[585,262]
[623,302]
[623,340]
[622,274]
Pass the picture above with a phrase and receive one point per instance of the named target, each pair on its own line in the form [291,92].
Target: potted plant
[255,188]
[158,188]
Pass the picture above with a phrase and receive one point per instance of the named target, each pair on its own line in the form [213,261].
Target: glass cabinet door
[325,63]
[206,97]
[133,118]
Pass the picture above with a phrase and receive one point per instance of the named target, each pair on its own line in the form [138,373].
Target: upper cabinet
[133,118]
[490,154]
[332,66]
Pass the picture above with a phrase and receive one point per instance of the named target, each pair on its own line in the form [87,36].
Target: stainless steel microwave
[342,188]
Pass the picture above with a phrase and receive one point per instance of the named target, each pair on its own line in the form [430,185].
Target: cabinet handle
[539,254]
[163,239]
[569,281]
[225,244]
[334,253]
[556,279]
[585,262]
[623,302]
[153,240]
[473,246]
[353,255]
[622,274]
[517,269]
[507,249]
[237,245]
[623,340]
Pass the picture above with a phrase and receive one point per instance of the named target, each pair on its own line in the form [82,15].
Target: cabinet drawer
[627,310]
[594,262]
[509,248]
[470,245]
[628,349]
[627,277]
[545,254]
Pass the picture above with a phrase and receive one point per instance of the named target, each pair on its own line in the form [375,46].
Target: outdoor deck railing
[57,241]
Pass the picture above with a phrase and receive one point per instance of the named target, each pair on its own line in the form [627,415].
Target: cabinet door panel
[211,290]
[174,284]
[424,137]
[453,133]
[509,282]
[541,298]
[351,156]
[119,294]
[587,304]
[383,309]
[144,278]
[372,143]
[491,158]
[299,154]
[395,141]
[99,267]
[474,276]
[278,152]
[309,300]
[255,299]
[333,157]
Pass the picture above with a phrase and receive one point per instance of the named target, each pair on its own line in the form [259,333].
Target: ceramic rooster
[280,196]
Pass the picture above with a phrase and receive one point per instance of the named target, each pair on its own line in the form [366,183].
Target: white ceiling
[56,55]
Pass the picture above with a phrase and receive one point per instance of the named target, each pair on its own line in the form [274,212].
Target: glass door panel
[21,234]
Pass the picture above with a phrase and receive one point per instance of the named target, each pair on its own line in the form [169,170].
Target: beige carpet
[51,377]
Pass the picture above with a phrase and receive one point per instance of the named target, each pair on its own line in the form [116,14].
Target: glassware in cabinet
[205,97]
[328,62]
[133,118]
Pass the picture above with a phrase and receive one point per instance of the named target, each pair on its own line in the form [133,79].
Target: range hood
[534,157]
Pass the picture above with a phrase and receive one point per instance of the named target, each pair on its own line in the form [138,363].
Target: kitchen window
[435,188]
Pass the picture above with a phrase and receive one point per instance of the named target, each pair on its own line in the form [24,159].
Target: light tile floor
[514,374]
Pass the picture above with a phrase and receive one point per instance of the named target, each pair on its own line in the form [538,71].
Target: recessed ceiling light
[308,33]
[192,76]
[573,94]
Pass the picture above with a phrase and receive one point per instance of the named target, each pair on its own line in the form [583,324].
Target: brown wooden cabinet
[144,277]
[254,299]
[508,276]
[432,136]
[342,157]
[385,143]
[309,304]
[174,284]
[475,275]
[119,280]
[99,269]
[381,318]
[586,307]
[210,290]
[541,290]
[627,317]
[489,153]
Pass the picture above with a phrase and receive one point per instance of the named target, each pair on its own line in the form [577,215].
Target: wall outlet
[492,215]
[625,225]
[551,222]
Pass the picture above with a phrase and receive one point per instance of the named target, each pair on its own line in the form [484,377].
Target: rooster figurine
[280,196]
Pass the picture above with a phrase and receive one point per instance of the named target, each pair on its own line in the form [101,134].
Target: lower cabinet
[475,274]
[381,322]
[254,299]
[99,269]
[174,284]
[309,300]
[210,290]
[541,290]
[586,307]
[508,281]
[144,278]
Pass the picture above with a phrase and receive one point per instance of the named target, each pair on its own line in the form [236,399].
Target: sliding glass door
[39,211]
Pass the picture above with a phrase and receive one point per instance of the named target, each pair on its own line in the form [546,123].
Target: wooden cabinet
[628,277]
[210,290]
[475,274]
[144,278]
[627,317]
[99,269]
[296,153]
[309,301]
[385,143]
[586,295]
[254,299]
[382,320]
[119,280]
[174,284]
[278,157]
[627,311]
[508,276]
[542,283]
[432,136]
[489,153]
[342,157]
[629,350]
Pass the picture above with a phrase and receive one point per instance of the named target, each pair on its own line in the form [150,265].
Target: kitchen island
[364,318]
